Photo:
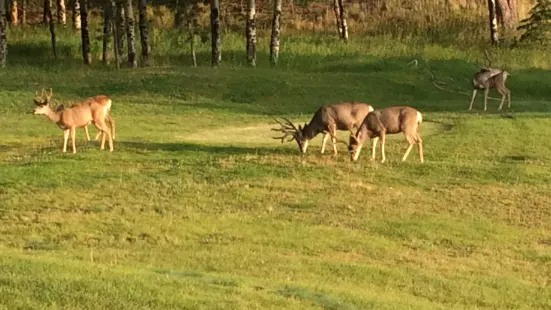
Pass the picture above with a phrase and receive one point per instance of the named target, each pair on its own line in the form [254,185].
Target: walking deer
[488,78]
[390,120]
[91,110]
[327,120]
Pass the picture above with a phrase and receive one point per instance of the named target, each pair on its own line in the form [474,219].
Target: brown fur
[487,79]
[327,120]
[391,120]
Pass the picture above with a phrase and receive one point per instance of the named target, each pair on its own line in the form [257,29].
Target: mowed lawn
[199,208]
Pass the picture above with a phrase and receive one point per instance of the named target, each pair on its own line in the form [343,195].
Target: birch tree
[337,11]
[130,33]
[215,32]
[85,36]
[61,12]
[14,13]
[251,32]
[144,30]
[493,21]
[48,8]
[76,15]
[344,26]
[192,26]
[107,28]
[274,42]
[120,29]
[23,12]
[3,39]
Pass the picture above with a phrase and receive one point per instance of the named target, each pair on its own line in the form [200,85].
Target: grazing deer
[91,110]
[487,78]
[391,120]
[327,120]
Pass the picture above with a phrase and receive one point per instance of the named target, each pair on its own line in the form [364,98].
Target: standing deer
[488,78]
[390,120]
[108,118]
[327,120]
[92,110]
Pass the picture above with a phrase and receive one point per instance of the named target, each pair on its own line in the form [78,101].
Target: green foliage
[537,27]
[198,208]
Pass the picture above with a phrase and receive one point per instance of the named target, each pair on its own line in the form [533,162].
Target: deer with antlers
[488,78]
[327,120]
[390,120]
[93,110]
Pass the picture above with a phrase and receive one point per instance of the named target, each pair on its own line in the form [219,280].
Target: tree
[274,42]
[61,13]
[130,33]
[3,39]
[192,26]
[215,32]
[24,12]
[344,27]
[251,32]
[86,54]
[76,15]
[493,21]
[14,14]
[107,28]
[506,11]
[337,11]
[536,28]
[144,30]
[120,30]
[45,9]
[51,21]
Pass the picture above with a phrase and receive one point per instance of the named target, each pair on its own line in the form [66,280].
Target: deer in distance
[327,120]
[488,78]
[390,120]
[93,110]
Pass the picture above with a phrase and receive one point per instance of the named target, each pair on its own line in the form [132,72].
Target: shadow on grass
[202,148]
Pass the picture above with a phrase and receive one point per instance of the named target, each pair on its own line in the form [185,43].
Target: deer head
[297,134]
[42,102]
[355,143]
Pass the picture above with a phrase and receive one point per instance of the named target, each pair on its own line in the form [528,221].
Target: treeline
[437,19]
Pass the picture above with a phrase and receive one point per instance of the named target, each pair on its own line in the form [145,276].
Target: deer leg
[87,134]
[383,138]
[65,138]
[472,100]
[98,135]
[486,91]
[374,147]
[420,147]
[325,137]
[112,123]
[509,98]
[73,134]
[105,131]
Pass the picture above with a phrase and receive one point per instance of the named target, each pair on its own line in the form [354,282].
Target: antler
[49,94]
[288,129]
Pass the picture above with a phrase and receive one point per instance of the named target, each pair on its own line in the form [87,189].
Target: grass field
[198,208]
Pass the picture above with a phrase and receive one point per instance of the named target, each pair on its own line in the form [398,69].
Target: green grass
[198,208]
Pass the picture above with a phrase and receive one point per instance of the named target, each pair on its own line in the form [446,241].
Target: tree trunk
[24,12]
[107,27]
[52,26]
[76,15]
[215,32]
[114,30]
[506,11]
[61,12]
[144,30]
[192,25]
[337,10]
[180,13]
[493,21]
[86,54]
[45,9]
[251,32]
[3,39]
[120,29]
[130,33]
[14,13]
[344,27]
[274,42]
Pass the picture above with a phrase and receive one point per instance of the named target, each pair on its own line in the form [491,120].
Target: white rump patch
[419,117]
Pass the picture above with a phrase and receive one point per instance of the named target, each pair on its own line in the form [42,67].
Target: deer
[107,117]
[488,78]
[91,110]
[390,120]
[327,120]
